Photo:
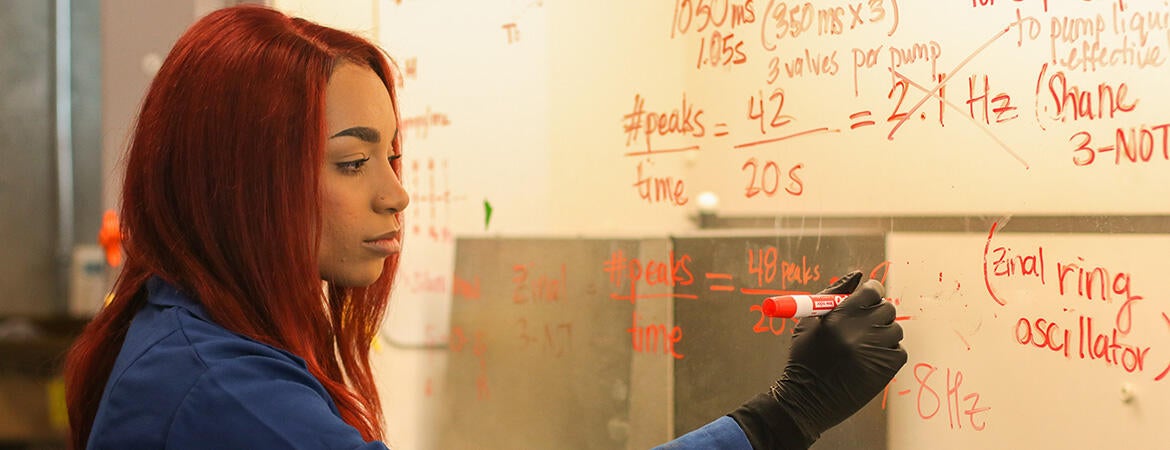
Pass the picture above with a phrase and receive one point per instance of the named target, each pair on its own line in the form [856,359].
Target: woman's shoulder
[172,343]
[175,331]
[179,372]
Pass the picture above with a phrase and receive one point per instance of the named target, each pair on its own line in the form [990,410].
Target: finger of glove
[868,295]
[882,361]
[845,285]
[805,325]
[875,367]
[883,313]
[885,335]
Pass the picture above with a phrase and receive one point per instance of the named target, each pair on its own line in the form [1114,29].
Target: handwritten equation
[800,50]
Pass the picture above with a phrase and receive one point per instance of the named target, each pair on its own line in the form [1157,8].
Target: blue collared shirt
[181,381]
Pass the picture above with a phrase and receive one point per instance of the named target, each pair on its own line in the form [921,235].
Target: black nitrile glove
[839,361]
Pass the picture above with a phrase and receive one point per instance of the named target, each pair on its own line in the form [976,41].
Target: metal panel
[27,181]
[731,352]
[87,120]
[539,352]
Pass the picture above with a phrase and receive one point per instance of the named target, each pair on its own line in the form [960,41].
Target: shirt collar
[159,292]
[162,293]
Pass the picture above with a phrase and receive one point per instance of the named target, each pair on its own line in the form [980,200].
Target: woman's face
[361,195]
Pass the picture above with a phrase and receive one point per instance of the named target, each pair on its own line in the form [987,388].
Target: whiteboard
[609,118]
[1037,353]
[612,117]
[475,139]
[933,108]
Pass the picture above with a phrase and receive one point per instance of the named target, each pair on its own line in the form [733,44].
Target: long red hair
[221,200]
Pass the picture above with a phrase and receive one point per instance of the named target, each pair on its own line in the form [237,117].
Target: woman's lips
[386,246]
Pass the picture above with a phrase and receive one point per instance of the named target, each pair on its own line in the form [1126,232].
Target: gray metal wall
[108,44]
[27,214]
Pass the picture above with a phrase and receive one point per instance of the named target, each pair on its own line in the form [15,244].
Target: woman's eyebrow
[364,133]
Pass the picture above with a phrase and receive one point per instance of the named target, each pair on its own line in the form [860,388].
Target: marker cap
[779,307]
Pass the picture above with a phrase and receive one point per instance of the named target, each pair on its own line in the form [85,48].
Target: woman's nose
[392,198]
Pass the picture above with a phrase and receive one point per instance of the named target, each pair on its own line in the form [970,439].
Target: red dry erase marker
[798,306]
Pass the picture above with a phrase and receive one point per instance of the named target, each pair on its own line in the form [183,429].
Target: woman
[265,161]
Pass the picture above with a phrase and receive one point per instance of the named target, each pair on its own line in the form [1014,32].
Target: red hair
[221,200]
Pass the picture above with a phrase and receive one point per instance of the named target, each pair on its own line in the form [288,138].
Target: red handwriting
[512,32]
[721,47]
[918,52]
[553,339]
[627,272]
[1096,282]
[659,189]
[901,86]
[542,289]
[1088,281]
[986,275]
[1083,43]
[723,50]
[1071,101]
[425,282]
[924,52]
[685,121]
[457,343]
[1109,348]
[467,289]
[420,125]
[1135,144]
[810,63]
[864,58]
[512,29]
[1141,23]
[999,103]
[647,337]
[771,327]
[1043,334]
[1027,26]
[783,20]
[883,268]
[766,264]
[409,71]
[769,111]
[931,92]
[701,14]
[929,403]
[1008,262]
[432,197]
[1002,108]
[767,178]
[1076,43]
[1092,344]
[1074,277]
[1167,369]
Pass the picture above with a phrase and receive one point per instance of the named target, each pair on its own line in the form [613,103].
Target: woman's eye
[354,166]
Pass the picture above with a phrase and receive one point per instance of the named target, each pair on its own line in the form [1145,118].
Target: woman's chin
[355,278]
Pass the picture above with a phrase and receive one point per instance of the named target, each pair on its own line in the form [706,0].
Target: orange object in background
[110,238]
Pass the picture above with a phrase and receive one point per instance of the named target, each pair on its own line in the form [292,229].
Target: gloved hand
[839,361]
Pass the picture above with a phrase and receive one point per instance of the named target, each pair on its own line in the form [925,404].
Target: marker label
[799,306]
